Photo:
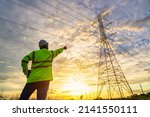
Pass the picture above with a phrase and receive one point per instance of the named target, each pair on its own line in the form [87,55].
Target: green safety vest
[41,69]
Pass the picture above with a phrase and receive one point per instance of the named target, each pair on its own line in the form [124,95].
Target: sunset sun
[75,87]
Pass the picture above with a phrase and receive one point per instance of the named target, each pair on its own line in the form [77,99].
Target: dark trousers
[29,88]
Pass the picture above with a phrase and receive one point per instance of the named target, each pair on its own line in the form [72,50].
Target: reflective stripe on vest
[33,61]
[42,61]
[41,66]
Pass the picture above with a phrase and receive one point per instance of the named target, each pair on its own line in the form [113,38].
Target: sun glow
[75,87]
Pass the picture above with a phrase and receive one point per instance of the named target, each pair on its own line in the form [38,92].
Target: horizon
[75,71]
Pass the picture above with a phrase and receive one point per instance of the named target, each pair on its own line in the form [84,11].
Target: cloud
[129,28]
[81,59]
[145,22]
[134,25]
[142,43]
[147,70]
[12,81]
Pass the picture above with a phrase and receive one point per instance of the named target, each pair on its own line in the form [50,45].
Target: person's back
[41,70]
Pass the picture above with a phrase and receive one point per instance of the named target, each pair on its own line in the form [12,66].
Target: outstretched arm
[58,51]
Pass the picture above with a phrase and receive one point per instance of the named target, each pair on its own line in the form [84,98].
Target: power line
[131,47]
[73,9]
[128,46]
[44,15]
[124,49]
[29,27]
[49,4]
[36,12]
[20,5]
[35,29]
[19,35]
[23,25]
[116,4]
[97,15]
[87,8]
[128,52]
[139,50]
[64,11]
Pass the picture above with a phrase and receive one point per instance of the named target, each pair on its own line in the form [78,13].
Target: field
[133,97]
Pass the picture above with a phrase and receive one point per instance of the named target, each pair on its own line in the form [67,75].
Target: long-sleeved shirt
[41,69]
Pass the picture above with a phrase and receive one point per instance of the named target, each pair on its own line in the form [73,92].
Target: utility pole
[111,78]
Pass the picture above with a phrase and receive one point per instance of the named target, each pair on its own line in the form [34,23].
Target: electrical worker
[40,75]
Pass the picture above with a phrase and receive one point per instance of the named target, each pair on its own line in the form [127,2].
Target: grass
[133,97]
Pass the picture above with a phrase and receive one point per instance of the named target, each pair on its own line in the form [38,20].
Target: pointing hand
[65,47]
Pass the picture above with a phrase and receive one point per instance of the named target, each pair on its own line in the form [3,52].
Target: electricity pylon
[110,75]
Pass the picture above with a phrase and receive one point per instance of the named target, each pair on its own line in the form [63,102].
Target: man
[40,75]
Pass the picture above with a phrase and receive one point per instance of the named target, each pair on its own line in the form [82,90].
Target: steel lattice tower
[110,75]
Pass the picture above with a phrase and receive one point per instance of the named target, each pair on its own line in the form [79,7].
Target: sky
[74,23]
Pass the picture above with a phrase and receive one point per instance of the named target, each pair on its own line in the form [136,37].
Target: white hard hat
[42,42]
